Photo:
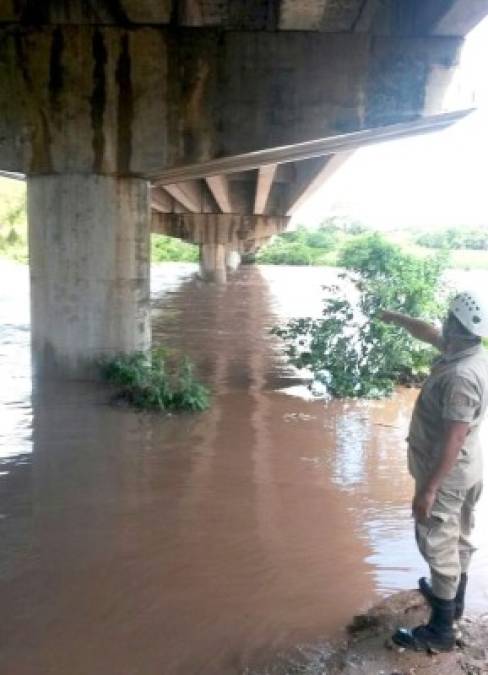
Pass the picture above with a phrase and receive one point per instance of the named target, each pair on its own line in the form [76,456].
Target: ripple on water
[144,543]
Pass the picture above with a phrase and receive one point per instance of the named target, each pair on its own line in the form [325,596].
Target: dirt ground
[368,649]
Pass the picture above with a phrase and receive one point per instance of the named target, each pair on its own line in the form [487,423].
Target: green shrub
[348,349]
[301,247]
[283,252]
[323,238]
[170,249]
[148,382]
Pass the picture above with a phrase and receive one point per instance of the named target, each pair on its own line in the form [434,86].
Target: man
[444,458]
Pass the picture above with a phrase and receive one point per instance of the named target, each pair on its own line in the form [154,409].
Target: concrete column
[89,262]
[232,258]
[212,262]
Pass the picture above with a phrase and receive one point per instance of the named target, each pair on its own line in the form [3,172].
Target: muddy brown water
[137,544]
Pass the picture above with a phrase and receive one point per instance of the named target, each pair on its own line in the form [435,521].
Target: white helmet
[471,309]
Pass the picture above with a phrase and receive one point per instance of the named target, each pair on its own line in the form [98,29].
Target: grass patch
[150,382]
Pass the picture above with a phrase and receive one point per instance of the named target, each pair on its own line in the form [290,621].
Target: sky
[436,180]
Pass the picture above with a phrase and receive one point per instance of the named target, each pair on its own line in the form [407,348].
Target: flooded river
[138,544]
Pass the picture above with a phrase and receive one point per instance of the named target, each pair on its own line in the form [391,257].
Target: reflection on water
[140,544]
[15,417]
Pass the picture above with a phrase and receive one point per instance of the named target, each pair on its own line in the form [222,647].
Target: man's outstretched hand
[421,330]
[387,316]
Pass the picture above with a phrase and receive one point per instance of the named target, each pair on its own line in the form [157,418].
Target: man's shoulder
[473,368]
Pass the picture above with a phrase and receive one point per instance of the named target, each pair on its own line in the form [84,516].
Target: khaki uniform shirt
[457,390]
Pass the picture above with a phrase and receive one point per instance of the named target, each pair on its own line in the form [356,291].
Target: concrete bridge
[204,119]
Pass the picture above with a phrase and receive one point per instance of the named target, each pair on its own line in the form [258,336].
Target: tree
[348,349]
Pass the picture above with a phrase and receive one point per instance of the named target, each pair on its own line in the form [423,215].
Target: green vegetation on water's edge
[348,349]
[153,382]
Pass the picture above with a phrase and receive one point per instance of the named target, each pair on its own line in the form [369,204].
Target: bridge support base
[232,258]
[213,262]
[89,262]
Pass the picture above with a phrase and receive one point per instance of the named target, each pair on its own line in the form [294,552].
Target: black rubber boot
[436,636]
[426,590]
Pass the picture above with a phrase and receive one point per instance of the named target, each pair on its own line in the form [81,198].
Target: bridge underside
[206,120]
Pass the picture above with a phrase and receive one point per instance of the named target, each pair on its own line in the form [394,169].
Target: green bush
[148,382]
[170,249]
[348,349]
[323,238]
[285,253]
[301,247]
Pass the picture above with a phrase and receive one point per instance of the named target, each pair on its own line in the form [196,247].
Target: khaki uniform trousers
[444,539]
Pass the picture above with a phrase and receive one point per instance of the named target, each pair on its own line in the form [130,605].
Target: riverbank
[368,649]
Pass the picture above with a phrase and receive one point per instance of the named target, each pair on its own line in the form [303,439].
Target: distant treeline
[455,238]
[303,246]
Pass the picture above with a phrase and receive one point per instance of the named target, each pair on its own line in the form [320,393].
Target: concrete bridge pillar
[213,262]
[232,258]
[89,264]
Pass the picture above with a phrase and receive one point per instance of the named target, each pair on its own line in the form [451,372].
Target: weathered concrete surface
[330,15]
[89,262]
[120,12]
[218,228]
[213,265]
[134,102]
[420,17]
[446,17]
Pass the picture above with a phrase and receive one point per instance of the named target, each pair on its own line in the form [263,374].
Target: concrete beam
[322,174]
[228,14]
[305,15]
[421,17]
[81,99]
[264,182]
[317,148]
[161,201]
[314,15]
[188,194]
[259,15]
[366,16]
[217,228]
[460,16]
[198,14]
[76,12]
[219,187]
